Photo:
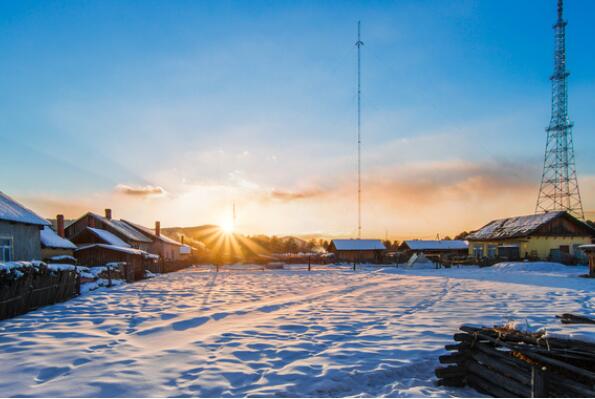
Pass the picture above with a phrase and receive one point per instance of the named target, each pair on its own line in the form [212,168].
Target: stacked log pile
[504,362]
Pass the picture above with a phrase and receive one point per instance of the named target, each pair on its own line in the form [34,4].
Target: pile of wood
[504,362]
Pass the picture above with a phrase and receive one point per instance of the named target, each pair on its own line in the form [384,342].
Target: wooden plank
[450,372]
[488,388]
[538,387]
[503,367]
[495,377]
[570,318]
[457,357]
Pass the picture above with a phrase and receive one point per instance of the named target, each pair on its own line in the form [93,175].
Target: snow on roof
[123,228]
[128,250]
[358,245]
[50,239]
[12,211]
[151,233]
[519,226]
[421,245]
[108,237]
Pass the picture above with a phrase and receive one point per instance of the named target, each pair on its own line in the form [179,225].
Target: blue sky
[173,110]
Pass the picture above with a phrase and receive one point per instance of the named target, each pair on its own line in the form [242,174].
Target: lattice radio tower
[359,44]
[559,186]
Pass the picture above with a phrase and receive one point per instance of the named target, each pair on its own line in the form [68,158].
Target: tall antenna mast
[559,186]
[359,44]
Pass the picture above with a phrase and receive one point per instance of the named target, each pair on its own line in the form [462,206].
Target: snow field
[275,333]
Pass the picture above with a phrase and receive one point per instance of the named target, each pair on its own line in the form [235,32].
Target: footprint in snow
[192,323]
[296,328]
[49,373]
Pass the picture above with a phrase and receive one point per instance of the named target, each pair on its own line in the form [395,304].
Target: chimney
[158,229]
[60,225]
[108,214]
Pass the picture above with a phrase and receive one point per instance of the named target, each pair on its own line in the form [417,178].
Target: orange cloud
[140,191]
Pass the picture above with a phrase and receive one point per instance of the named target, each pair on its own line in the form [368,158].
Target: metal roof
[12,211]
[358,245]
[520,226]
[421,245]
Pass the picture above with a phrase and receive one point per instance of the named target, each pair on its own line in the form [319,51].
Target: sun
[227,227]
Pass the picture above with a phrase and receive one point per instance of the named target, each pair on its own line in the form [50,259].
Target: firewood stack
[504,362]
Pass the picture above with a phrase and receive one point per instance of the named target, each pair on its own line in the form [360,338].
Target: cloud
[141,191]
[288,196]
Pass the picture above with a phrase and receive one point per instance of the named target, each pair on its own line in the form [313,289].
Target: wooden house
[168,249]
[118,228]
[435,248]
[19,231]
[555,236]
[357,250]
[54,247]
[133,261]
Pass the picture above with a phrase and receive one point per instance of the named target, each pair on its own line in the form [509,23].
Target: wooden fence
[35,289]
[507,363]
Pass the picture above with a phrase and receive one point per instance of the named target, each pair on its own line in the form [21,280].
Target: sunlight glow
[227,227]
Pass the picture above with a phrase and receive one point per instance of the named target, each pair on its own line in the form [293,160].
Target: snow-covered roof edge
[50,239]
[12,211]
[150,233]
[358,245]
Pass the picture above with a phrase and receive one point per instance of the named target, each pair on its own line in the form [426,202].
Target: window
[478,251]
[491,251]
[5,249]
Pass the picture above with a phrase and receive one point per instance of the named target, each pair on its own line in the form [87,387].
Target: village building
[54,247]
[19,231]
[132,262]
[556,236]
[168,249]
[118,228]
[358,250]
[438,248]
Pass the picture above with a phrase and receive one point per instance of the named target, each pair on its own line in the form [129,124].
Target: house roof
[421,245]
[151,233]
[108,237]
[12,211]
[123,228]
[519,226]
[132,251]
[358,245]
[50,239]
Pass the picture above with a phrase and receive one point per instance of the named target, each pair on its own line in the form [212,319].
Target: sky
[174,110]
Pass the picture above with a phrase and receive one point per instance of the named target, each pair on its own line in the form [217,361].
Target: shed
[555,236]
[351,250]
[53,246]
[442,248]
[135,260]
[19,231]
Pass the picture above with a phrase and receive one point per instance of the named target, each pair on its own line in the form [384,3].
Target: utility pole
[359,44]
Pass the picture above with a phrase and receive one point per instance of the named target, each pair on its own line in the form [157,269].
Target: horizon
[167,112]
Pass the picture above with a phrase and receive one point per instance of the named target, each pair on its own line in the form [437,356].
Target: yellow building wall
[538,245]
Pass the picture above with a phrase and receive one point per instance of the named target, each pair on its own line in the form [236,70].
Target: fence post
[109,275]
[309,263]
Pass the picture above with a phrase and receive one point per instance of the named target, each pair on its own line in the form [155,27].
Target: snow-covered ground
[331,332]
